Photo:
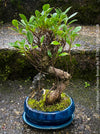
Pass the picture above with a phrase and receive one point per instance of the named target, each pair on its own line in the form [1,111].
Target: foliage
[46,34]
[88,10]
[40,105]
[86,84]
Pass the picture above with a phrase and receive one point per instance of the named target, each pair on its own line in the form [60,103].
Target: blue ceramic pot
[40,118]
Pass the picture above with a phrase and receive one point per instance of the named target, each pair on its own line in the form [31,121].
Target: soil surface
[13,94]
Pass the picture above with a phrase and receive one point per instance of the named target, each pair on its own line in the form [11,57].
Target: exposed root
[55,95]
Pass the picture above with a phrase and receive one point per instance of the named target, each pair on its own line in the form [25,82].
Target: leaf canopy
[46,34]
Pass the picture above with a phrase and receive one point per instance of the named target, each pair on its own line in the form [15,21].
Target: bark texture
[55,95]
[59,73]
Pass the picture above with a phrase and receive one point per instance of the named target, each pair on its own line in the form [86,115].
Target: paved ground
[13,94]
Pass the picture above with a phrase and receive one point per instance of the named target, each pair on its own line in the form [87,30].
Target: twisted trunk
[59,73]
[55,92]
[55,95]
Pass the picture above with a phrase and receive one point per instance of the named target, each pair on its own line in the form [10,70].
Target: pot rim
[42,112]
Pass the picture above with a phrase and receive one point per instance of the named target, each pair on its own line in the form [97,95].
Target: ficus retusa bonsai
[46,34]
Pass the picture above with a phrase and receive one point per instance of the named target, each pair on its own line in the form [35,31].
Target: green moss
[14,66]
[82,64]
[41,106]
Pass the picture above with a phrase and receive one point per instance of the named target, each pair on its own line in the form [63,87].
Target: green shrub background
[89,10]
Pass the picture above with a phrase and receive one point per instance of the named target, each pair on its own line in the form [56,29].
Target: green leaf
[22,42]
[54,15]
[63,16]
[60,49]
[22,51]
[77,29]
[49,53]
[67,10]
[20,30]
[77,45]
[23,22]
[68,41]
[72,21]
[36,46]
[15,23]
[30,37]
[23,17]
[60,32]
[58,11]
[14,29]
[72,15]
[27,46]
[63,54]
[62,25]
[24,30]
[46,7]
[37,13]
[55,43]
[31,19]
[42,39]
[14,44]
[23,54]
[49,10]
[66,19]
[11,44]
[42,13]
[87,84]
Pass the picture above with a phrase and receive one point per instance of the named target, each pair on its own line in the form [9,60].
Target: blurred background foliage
[88,10]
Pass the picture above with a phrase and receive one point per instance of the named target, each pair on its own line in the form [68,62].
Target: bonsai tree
[46,34]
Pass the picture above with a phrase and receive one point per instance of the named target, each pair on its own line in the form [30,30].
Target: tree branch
[60,73]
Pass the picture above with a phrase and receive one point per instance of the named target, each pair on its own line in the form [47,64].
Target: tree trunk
[55,95]
[59,73]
